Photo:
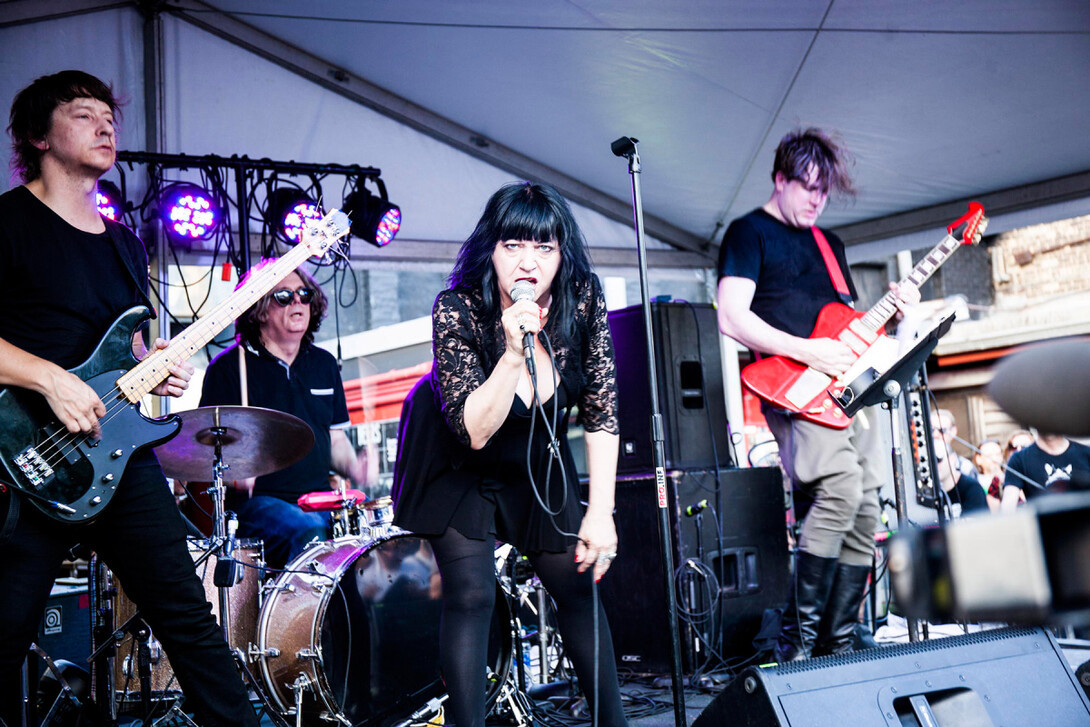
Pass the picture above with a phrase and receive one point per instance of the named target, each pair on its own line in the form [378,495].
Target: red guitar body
[808,393]
[773,378]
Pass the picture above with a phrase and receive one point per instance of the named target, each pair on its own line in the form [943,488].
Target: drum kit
[346,634]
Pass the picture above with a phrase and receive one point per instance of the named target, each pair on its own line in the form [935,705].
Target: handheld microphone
[696,508]
[524,290]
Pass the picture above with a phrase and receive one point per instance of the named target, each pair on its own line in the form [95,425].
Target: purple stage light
[109,201]
[189,212]
[296,218]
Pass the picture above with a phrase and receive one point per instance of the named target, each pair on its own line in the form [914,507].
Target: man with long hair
[72,273]
[285,371]
[774,279]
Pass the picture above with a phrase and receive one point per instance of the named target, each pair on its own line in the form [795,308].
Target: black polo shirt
[310,388]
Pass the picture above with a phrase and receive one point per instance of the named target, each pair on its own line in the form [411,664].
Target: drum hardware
[302,683]
[253,653]
[515,703]
[272,586]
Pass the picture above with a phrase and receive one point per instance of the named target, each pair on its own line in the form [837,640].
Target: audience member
[1051,464]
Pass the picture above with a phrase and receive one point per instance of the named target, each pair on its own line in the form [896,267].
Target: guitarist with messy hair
[70,273]
[777,271]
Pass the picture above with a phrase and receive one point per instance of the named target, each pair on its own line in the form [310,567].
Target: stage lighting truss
[288,210]
[374,218]
[188,211]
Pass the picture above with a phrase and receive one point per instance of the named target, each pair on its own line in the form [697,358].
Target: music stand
[885,389]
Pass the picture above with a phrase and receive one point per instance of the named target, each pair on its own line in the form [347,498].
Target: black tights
[469,594]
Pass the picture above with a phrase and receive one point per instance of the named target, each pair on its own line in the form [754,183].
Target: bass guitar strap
[112,229]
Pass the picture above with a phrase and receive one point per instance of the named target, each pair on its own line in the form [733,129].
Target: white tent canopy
[939,102]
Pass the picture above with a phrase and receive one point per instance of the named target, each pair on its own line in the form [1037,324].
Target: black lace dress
[440,482]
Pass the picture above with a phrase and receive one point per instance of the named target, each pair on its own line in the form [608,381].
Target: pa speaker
[986,679]
[749,563]
[690,386]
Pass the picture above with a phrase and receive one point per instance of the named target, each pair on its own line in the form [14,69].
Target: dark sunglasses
[283,296]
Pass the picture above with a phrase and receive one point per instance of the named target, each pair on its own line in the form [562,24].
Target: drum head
[380,635]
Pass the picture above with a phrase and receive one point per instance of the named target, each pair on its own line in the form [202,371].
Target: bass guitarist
[70,273]
[777,270]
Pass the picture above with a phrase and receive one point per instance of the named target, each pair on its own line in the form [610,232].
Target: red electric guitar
[796,387]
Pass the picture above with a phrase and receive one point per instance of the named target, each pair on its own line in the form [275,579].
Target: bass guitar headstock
[319,236]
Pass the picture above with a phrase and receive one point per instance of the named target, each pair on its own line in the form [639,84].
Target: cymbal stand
[228,571]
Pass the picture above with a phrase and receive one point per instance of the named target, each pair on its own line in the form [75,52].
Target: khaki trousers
[842,470]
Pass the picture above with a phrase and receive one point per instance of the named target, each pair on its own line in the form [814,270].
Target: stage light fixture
[289,209]
[109,201]
[374,219]
[189,212]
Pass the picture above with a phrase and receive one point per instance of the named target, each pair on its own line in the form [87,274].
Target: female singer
[479,461]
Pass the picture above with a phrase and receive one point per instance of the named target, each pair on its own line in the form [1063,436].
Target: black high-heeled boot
[809,593]
[836,632]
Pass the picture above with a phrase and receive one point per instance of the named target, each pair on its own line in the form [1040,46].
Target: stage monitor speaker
[690,386]
[986,679]
[751,567]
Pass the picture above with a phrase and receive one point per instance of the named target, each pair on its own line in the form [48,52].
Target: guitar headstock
[320,235]
[969,227]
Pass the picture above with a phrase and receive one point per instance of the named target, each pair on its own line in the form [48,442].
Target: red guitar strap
[831,264]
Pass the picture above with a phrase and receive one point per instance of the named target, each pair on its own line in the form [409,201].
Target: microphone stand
[626,147]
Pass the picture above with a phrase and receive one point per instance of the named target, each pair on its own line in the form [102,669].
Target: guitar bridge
[34,467]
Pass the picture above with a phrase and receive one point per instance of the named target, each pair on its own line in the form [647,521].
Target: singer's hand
[521,318]
[597,544]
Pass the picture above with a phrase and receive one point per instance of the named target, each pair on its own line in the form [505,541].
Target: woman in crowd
[478,460]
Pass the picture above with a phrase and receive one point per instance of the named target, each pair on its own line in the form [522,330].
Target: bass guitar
[72,477]
[811,394]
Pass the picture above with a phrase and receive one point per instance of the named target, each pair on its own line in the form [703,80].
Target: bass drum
[351,632]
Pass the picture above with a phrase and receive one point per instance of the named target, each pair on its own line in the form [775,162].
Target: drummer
[275,355]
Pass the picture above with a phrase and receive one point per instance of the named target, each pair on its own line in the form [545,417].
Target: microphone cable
[553,452]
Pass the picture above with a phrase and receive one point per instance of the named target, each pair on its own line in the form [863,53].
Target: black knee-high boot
[809,593]
[837,628]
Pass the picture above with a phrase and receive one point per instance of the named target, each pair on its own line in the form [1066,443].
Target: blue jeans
[283,527]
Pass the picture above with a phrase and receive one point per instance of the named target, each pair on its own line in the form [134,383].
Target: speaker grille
[901,650]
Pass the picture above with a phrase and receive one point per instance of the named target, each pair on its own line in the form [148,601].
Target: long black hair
[531,211]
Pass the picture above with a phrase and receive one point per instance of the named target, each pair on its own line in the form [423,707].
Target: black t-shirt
[310,389]
[968,491]
[65,286]
[1053,472]
[793,284]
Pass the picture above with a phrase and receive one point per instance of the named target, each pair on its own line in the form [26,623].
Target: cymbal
[254,442]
